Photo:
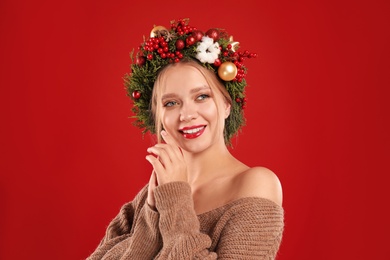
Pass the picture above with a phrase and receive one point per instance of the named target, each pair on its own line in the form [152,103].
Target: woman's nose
[188,113]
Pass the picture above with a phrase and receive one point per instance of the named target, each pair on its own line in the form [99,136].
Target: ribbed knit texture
[247,228]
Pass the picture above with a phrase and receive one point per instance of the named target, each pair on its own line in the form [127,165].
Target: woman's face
[189,109]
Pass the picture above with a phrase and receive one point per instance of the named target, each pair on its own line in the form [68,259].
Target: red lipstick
[192,131]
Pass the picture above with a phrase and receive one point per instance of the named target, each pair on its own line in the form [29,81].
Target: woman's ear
[227,109]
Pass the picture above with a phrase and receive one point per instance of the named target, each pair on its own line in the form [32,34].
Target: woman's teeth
[192,131]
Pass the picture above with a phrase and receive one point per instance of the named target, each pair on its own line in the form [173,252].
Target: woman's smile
[192,131]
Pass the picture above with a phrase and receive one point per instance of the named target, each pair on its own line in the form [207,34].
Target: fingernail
[163,133]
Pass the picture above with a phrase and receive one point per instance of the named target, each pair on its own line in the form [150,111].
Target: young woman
[201,202]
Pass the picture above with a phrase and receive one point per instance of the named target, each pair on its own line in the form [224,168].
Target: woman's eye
[202,97]
[170,103]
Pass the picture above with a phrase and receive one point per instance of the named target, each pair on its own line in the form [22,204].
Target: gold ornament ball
[227,71]
[154,31]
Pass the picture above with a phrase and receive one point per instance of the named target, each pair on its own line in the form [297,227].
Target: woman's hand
[167,161]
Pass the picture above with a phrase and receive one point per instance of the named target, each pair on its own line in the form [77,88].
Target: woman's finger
[162,154]
[157,167]
[167,138]
[170,141]
[153,180]
[152,185]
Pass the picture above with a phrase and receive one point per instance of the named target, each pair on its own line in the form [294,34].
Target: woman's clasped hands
[168,165]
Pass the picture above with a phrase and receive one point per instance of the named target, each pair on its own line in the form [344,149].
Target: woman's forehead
[183,77]
[182,71]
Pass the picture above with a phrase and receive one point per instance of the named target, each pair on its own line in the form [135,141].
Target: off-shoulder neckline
[238,201]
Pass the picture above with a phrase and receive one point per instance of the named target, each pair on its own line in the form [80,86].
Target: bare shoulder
[260,182]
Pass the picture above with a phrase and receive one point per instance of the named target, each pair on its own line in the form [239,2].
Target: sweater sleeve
[132,234]
[250,230]
[179,224]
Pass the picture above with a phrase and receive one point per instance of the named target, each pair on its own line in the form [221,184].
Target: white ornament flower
[208,50]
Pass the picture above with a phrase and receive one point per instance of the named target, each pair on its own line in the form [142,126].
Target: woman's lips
[192,132]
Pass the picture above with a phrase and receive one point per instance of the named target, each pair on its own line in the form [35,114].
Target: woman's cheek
[169,117]
[208,109]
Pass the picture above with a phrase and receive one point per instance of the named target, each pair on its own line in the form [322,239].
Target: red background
[318,116]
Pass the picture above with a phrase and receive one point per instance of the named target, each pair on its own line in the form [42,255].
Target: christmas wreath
[214,49]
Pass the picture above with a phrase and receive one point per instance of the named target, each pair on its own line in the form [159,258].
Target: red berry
[238,100]
[150,56]
[136,94]
[217,62]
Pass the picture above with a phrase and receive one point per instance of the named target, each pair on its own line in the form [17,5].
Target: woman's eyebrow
[195,90]
[168,95]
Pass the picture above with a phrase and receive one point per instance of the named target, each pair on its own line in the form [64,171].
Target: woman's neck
[208,164]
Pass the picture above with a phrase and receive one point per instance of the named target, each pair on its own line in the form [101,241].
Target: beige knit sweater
[247,228]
